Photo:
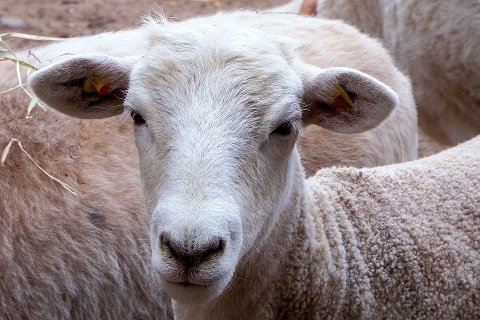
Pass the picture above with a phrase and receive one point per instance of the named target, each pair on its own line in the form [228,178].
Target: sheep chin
[191,293]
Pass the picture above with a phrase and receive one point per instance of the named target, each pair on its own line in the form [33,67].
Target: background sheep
[67,256]
[435,43]
[233,219]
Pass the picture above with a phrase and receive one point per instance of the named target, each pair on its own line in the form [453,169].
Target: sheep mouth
[198,287]
[192,278]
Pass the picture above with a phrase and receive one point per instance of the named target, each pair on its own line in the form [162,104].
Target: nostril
[170,247]
[214,247]
[194,254]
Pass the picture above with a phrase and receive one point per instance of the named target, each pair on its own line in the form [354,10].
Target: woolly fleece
[404,240]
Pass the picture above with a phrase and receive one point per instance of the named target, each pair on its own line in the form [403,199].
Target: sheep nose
[193,254]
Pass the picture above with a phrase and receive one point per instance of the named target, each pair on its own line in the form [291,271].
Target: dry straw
[6,50]
[6,151]
[7,54]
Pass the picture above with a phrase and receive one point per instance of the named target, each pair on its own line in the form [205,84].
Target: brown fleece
[65,256]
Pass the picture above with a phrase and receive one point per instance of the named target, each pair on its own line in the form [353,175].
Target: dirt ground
[67,18]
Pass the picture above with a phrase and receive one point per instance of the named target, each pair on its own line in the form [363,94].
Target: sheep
[236,230]
[67,256]
[92,262]
[93,239]
[434,42]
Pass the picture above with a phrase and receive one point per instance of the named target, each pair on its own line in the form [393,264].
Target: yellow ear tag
[343,94]
[94,84]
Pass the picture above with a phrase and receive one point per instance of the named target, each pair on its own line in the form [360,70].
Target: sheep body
[64,256]
[434,43]
[410,233]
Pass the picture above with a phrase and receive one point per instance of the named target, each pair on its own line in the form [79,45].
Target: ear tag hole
[94,84]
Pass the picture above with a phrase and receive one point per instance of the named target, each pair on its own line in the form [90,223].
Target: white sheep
[62,253]
[236,230]
[95,241]
[435,43]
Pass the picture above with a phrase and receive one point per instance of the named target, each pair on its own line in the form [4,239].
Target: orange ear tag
[94,84]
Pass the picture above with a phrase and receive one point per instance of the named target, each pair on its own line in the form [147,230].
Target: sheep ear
[346,100]
[90,86]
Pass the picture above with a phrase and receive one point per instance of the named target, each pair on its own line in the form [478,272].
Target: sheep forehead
[216,72]
[215,31]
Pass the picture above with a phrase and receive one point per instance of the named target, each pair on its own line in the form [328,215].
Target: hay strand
[6,151]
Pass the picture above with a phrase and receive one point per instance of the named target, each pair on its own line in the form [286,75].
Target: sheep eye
[137,117]
[284,129]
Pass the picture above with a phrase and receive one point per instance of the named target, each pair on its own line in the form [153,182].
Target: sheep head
[216,116]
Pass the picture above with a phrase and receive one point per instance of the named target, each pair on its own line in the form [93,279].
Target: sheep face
[215,136]
[216,113]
